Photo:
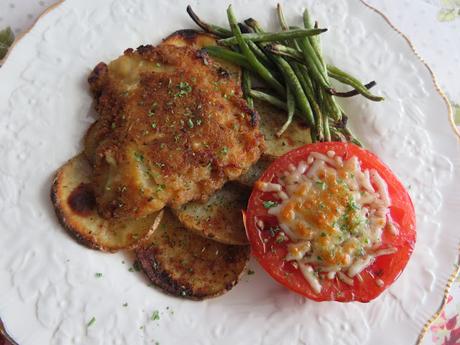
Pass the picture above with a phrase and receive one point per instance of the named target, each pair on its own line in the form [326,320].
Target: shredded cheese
[334,213]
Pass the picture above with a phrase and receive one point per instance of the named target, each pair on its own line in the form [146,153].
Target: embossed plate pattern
[48,288]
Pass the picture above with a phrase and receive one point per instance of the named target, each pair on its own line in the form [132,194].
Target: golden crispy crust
[173,127]
[187,265]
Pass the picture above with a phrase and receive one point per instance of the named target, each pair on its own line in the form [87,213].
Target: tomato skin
[386,268]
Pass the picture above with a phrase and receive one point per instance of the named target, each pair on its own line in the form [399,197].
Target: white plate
[48,288]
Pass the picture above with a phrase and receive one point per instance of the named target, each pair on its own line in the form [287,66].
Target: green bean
[345,78]
[314,42]
[280,49]
[259,53]
[351,137]
[271,37]
[281,18]
[264,73]
[327,130]
[290,78]
[296,55]
[294,84]
[308,89]
[354,92]
[313,63]
[228,55]
[273,100]
[290,110]
[246,86]
[214,29]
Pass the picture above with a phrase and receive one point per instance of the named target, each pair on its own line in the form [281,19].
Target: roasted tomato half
[331,222]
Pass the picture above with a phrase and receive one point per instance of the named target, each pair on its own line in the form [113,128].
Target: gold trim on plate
[452,277]
[438,89]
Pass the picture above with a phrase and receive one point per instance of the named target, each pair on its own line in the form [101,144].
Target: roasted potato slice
[187,265]
[75,206]
[219,218]
[271,120]
[252,175]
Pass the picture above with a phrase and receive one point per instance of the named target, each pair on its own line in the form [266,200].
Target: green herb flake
[321,185]
[155,315]
[352,206]
[224,150]
[281,238]
[137,266]
[113,125]
[160,188]
[270,204]
[153,109]
[139,157]
[250,272]
[98,275]
[91,322]
[125,304]
[190,123]
[154,125]
[184,89]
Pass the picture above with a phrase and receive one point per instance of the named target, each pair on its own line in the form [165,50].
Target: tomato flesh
[385,269]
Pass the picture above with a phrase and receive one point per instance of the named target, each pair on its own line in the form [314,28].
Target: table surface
[433,26]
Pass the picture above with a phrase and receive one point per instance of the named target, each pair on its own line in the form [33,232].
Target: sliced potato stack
[179,261]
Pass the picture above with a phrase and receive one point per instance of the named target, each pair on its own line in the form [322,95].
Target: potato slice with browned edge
[187,265]
[271,120]
[75,207]
[255,171]
[219,218]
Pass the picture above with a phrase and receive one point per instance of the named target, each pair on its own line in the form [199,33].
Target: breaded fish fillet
[172,128]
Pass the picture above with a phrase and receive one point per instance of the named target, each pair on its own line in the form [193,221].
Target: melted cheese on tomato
[334,214]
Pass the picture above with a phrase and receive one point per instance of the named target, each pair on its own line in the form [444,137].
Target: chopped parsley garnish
[137,266]
[321,185]
[270,204]
[153,109]
[190,123]
[224,150]
[155,315]
[274,231]
[281,238]
[352,205]
[154,125]
[160,187]
[139,157]
[113,125]
[98,275]
[91,322]
[184,89]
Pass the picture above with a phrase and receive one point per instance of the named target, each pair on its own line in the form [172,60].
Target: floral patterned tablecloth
[433,26]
